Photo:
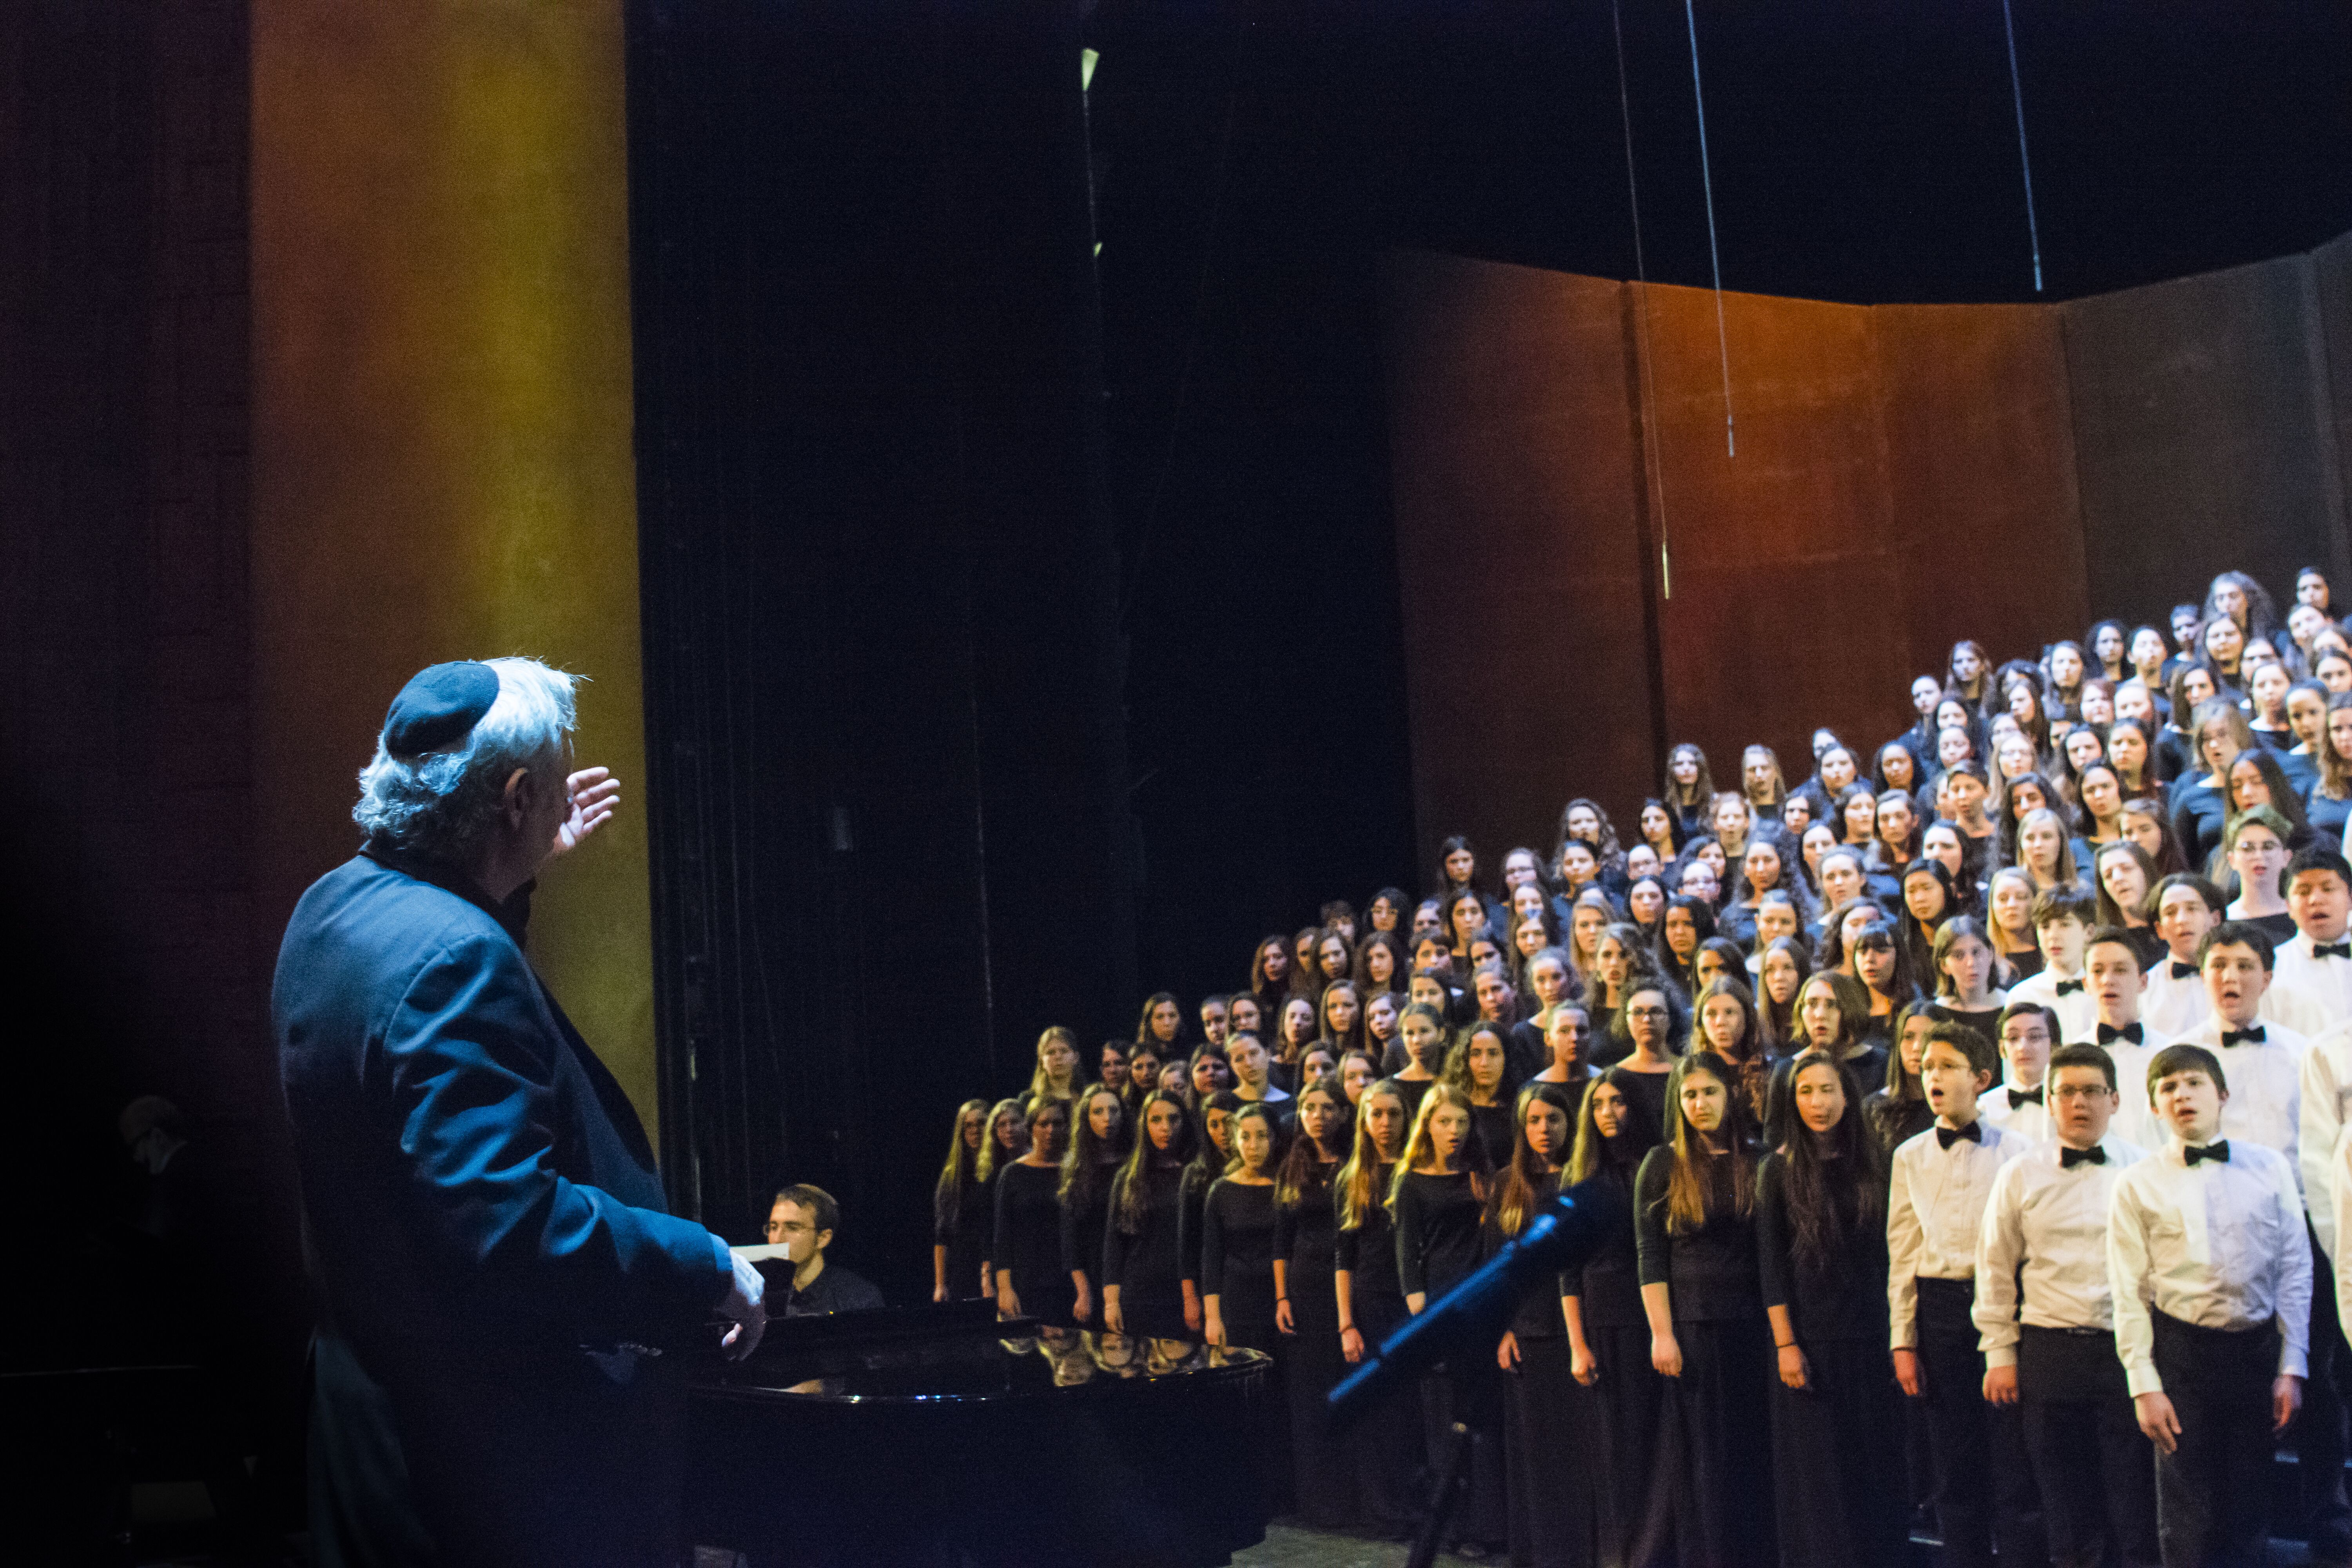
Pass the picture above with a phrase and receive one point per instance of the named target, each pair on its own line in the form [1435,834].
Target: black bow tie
[2068,988]
[2109,1034]
[2248,1037]
[2017,1097]
[2070,1158]
[1948,1136]
[2182,971]
[2217,1149]
[2331,950]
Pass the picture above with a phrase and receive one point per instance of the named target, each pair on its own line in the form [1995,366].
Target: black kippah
[439,707]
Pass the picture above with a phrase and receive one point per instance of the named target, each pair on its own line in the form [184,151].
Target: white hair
[443,805]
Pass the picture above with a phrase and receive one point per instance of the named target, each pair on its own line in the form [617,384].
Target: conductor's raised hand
[594,795]
[745,1308]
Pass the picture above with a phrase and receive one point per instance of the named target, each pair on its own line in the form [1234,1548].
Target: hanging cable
[2024,159]
[1651,464]
[1715,254]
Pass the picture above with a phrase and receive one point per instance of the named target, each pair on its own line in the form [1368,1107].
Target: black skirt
[1714,1501]
[1324,1478]
[1838,1501]
[1387,1445]
[1543,1427]
[1620,1418]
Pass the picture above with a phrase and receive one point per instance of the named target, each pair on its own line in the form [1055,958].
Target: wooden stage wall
[1589,576]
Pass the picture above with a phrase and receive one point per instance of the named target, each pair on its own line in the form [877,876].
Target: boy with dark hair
[1935,1210]
[2062,919]
[2187,907]
[2018,1103]
[2209,1269]
[2111,969]
[2053,1354]
[2311,987]
[2266,1059]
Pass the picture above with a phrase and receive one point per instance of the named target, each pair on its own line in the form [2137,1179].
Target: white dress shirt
[2265,1103]
[2029,1120]
[2219,1245]
[2136,1120]
[2339,1205]
[2326,1105]
[2076,1012]
[2319,989]
[2172,1007]
[2053,1222]
[1935,1208]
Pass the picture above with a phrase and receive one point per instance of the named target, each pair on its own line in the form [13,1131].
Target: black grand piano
[937,1435]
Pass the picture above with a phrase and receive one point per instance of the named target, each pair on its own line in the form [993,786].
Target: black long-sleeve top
[975,1220]
[1711,1273]
[1028,1237]
[1609,1287]
[1646,1098]
[1194,1192]
[1538,1315]
[1845,1299]
[1084,1220]
[1491,1125]
[1307,1236]
[1237,1240]
[1368,1254]
[1437,1221]
[1149,1262]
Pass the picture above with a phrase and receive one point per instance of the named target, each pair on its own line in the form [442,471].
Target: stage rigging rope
[1651,464]
[2024,159]
[1715,255]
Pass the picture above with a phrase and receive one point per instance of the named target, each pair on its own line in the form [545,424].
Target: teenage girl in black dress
[1097,1146]
[1212,1150]
[1026,1249]
[1539,1387]
[1439,1201]
[1820,1236]
[1649,1029]
[1306,1304]
[1143,1292]
[960,1217]
[1608,1334]
[1695,1229]
[1387,1447]
[1237,1277]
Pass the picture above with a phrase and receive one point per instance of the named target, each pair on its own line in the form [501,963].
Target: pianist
[802,1221]
[497,1275]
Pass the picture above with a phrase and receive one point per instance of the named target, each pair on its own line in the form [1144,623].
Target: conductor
[496,1274]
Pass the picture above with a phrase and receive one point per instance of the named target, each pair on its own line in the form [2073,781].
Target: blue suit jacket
[487,1234]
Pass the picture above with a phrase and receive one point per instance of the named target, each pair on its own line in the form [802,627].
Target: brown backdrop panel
[2331,267]
[2204,435]
[1780,551]
[1513,449]
[1980,475]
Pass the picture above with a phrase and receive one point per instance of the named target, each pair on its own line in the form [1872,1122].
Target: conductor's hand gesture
[594,795]
[745,1307]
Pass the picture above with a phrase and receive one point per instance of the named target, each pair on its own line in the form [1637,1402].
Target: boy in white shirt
[2111,968]
[2019,1103]
[2209,1269]
[2311,985]
[2264,1060]
[2187,907]
[2046,1235]
[1939,1186]
[2062,924]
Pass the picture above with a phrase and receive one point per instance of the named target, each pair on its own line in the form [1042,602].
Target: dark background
[1073,588]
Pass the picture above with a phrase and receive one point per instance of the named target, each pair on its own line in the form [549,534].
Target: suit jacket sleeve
[472,1062]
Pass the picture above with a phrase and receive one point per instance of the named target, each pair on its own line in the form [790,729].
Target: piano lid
[957,1351]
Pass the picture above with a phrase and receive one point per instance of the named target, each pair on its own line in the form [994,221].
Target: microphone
[1561,1236]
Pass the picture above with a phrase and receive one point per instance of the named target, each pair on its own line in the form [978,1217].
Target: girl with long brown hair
[961,1218]
[1439,1200]
[1695,1227]
[1370,1300]
[1306,1302]
[1540,1392]
[1099,1142]
[1026,1247]
[1143,1292]
[1821,1242]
